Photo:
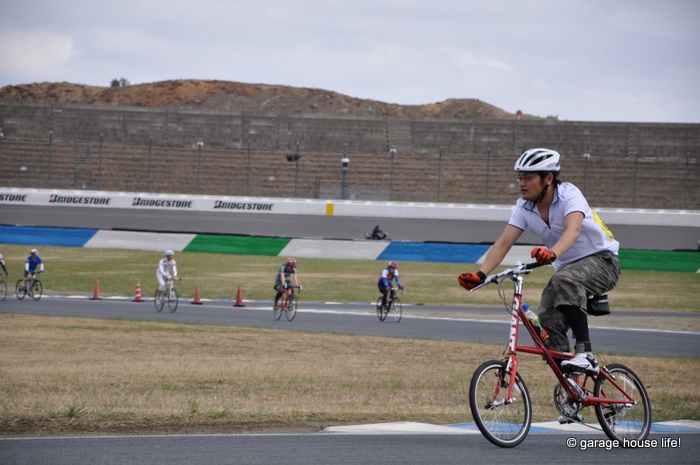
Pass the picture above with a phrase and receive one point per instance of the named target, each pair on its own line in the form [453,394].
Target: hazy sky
[581,60]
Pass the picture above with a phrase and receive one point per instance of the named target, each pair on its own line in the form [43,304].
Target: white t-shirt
[595,236]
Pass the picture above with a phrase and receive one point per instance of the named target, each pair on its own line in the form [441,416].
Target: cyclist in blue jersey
[287,272]
[33,262]
[391,272]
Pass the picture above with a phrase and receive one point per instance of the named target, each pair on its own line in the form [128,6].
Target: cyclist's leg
[568,290]
[384,287]
[161,284]
[553,321]
[278,294]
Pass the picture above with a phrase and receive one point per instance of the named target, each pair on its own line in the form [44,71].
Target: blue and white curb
[409,427]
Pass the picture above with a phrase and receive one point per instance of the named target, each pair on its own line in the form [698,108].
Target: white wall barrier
[263,205]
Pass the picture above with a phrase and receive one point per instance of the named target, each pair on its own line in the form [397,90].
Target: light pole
[488,168]
[344,164]
[150,150]
[586,157]
[247,171]
[200,144]
[50,147]
[99,172]
[392,154]
[294,157]
[439,172]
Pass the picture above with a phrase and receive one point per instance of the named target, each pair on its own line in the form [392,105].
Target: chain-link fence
[665,179]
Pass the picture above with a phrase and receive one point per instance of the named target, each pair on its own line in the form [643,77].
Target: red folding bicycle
[500,402]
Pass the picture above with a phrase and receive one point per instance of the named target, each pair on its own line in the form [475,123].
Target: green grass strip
[659,260]
[237,245]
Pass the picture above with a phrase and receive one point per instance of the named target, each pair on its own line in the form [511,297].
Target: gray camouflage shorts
[572,285]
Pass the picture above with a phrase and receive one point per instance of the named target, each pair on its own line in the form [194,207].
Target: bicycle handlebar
[519,269]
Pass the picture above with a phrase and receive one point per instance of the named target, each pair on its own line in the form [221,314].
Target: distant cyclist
[4,267]
[33,262]
[287,272]
[391,272]
[167,270]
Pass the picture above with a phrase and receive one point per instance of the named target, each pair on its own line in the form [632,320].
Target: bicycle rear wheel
[3,290]
[381,312]
[291,307]
[172,300]
[623,421]
[20,289]
[158,301]
[37,289]
[396,309]
[504,422]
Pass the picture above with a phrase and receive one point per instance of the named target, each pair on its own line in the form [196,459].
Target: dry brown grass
[65,375]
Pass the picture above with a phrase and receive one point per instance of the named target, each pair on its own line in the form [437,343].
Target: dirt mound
[239,97]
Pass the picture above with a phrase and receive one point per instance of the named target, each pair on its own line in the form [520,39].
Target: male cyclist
[287,272]
[167,270]
[391,272]
[4,267]
[30,267]
[578,244]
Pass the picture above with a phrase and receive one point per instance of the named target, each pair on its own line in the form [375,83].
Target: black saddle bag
[598,305]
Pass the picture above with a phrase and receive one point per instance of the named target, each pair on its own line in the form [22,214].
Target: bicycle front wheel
[504,422]
[20,289]
[291,307]
[158,301]
[629,421]
[396,309]
[3,290]
[172,300]
[381,313]
[37,289]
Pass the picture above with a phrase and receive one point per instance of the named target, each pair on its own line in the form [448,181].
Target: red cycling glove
[470,280]
[543,255]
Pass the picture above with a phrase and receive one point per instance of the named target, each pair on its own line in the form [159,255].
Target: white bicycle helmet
[33,251]
[169,252]
[542,160]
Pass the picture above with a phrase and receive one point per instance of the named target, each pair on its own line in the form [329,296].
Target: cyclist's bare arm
[500,248]
[572,229]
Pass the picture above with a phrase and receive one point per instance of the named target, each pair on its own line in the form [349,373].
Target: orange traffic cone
[196,300]
[96,291]
[137,297]
[239,299]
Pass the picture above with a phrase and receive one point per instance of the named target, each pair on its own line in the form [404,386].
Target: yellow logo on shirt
[600,223]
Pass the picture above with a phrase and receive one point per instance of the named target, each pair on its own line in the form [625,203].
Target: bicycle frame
[502,407]
[285,296]
[511,359]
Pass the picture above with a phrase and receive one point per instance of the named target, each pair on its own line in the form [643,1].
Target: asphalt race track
[361,319]
[357,449]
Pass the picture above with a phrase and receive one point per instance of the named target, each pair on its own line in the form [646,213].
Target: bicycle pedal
[564,420]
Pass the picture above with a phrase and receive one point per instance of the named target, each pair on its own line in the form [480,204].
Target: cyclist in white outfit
[167,270]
